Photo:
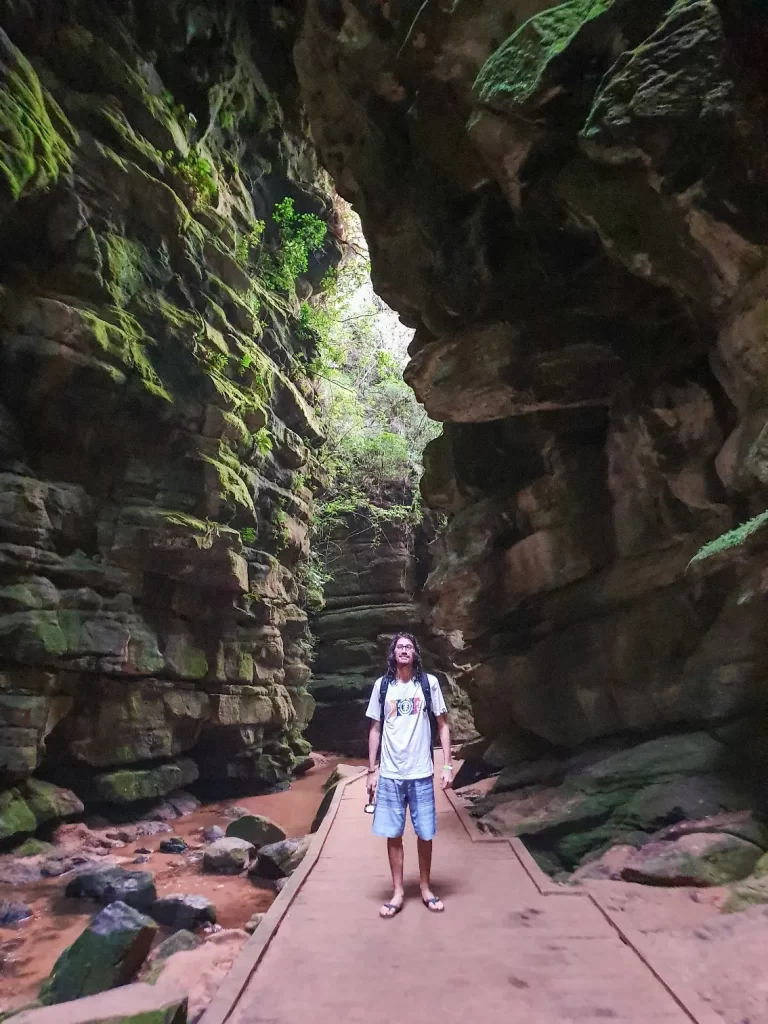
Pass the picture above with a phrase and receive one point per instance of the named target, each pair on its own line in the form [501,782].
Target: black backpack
[424,684]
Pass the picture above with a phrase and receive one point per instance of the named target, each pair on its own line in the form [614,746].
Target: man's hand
[446,778]
[370,785]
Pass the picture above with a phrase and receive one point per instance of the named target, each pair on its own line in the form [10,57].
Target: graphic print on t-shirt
[405,734]
[404,706]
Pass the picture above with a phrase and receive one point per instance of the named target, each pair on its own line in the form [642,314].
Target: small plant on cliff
[732,539]
[197,173]
[262,440]
[301,234]
[248,245]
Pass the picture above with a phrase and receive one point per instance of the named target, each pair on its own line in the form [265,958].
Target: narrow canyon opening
[324,319]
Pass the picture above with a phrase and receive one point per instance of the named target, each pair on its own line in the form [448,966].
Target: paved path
[502,951]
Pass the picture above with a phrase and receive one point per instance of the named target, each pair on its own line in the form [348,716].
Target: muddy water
[29,949]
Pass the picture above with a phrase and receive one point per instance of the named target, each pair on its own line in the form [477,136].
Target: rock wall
[568,203]
[374,592]
[155,429]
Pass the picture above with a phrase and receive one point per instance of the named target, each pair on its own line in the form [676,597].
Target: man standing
[400,709]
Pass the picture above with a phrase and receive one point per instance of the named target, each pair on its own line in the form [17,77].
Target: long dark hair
[392,662]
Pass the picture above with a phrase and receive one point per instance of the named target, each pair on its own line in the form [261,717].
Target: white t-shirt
[406,747]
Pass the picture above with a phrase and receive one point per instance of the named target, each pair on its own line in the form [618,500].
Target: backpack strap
[427,691]
[383,687]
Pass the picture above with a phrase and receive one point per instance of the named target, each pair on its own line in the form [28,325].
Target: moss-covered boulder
[702,859]
[280,859]
[110,885]
[48,802]
[256,829]
[16,815]
[129,784]
[108,953]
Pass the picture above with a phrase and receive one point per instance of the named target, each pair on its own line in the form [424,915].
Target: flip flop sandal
[396,907]
[431,904]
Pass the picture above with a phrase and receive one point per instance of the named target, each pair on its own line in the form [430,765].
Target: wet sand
[29,949]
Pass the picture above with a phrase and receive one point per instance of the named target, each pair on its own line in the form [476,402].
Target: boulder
[47,801]
[212,832]
[16,816]
[544,772]
[175,844]
[608,867]
[10,913]
[135,888]
[179,942]
[748,893]
[256,829]
[736,823]
[198,972]
[128,784]
[253,923]
[183,911]
[669,756]
[63,863]
[280,859]
[228,856]
[681,799]
[697,859]
[108,953]
[235,811]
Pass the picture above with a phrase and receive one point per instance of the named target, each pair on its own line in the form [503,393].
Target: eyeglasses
[405,647]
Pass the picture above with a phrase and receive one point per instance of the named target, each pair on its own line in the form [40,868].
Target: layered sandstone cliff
[568,204]
[155,428]
[378,572]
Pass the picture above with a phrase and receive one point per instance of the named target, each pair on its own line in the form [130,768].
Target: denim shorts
[392,798]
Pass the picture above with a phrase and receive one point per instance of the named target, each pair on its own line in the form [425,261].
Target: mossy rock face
[32,848]
[48,802]
[581,847]
[127,785]
[16,816]
[669,756]
[677,76]
[515,73]
[703,859]
[35,137]
[108,953]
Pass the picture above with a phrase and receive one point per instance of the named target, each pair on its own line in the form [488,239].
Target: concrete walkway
[503,950]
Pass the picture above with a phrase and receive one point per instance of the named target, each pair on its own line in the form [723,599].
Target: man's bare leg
[424,847]
[396,856]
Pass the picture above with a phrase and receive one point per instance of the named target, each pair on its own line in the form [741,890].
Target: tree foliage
[375,429]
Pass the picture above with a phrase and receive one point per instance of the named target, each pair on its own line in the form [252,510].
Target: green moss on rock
[514,73]
[733,540]
[108,953]
[35,136]
[48,802]
[16,816]
[127,785]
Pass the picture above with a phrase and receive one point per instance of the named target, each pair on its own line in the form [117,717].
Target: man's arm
[444,734]
[374,734]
